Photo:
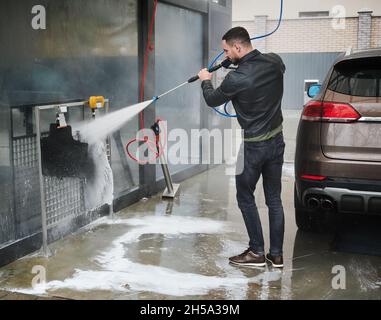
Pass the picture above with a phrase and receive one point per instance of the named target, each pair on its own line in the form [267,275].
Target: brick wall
[260,27]
[365,29]
[314,35]
[376,32]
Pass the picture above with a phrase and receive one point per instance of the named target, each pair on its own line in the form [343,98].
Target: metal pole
[42,189]
[164,166]
[171,190]
[108,151]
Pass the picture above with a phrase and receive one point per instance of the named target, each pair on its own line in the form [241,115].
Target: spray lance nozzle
[226,63]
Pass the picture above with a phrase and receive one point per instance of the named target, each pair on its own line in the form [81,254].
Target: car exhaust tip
[313,203]
[327,204]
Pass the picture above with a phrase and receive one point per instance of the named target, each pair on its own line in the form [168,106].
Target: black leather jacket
[255,89]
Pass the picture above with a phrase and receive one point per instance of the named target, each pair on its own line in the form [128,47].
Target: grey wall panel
[301,66]
[220,21]
[178,56]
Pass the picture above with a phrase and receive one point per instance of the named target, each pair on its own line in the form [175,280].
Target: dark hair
[237,34]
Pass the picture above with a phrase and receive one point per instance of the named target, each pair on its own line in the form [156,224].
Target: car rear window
[357,77]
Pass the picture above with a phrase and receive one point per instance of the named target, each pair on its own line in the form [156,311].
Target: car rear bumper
[345,200]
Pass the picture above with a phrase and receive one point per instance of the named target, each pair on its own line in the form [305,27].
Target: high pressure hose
[155,147]
[226,114]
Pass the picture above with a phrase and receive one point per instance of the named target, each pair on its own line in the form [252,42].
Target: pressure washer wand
[179,86]
[226,63]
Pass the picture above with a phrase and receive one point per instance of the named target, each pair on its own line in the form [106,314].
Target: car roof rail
[349,51]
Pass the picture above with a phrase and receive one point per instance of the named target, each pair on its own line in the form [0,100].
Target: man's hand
[204,74]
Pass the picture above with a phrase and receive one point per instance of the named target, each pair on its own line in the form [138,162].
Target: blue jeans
[266,158]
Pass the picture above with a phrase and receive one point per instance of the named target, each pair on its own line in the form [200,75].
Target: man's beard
[234,61]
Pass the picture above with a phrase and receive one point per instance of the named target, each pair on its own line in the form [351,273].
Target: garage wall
[300,67]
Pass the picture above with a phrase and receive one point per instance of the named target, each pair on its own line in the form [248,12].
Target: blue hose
[226,114]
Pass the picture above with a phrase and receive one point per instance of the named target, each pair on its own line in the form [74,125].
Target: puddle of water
[122,275]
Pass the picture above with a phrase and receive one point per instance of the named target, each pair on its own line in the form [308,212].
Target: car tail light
[312,111]
[315,178]
[329,112]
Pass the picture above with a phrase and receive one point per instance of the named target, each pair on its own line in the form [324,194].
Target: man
[255,89]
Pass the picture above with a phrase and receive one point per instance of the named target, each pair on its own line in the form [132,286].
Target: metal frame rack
[60,198]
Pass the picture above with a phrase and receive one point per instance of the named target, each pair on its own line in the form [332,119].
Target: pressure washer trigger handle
[193,79]
[155,128]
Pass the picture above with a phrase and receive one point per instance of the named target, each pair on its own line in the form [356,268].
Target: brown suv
[338,145]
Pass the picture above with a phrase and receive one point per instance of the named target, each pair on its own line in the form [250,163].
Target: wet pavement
[160,249]
[8,295]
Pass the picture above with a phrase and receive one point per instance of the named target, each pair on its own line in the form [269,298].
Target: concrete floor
[159,249]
